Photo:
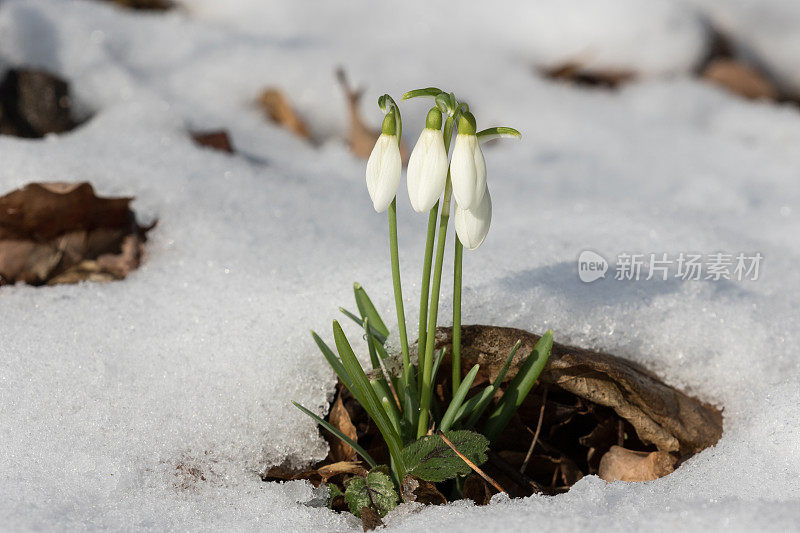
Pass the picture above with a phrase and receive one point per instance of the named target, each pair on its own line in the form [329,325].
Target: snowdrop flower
[427,166]
[472,225]
[468,168]
[384,166]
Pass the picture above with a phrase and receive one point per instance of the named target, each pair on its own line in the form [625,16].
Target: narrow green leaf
[361,451]
[431,459]
[379,337]
[373,354]
[489,392]
[367,310]
[334,361]
[458,399]
[370,403]
[519,387]
[436,362]
[489,134]
[376,491]
[428,92]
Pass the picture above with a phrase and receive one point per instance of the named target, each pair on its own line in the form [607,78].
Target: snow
[153,403]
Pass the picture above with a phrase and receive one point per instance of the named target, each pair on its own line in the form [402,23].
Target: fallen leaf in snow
[370,519]
[660,414]
[340,419]
[621,464]
[64,233]
[739,78]
[577,73]
[280,111]
[418,490]
[34,103]
[476,489]
[216,139]
[361,138]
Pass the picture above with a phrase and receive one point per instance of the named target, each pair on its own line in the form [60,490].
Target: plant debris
[361,138]
[280,111]
[740,79]
[153,5]
[589,413]
[63,233]
[34,103]
[620,464]
[577,73]
[214,139]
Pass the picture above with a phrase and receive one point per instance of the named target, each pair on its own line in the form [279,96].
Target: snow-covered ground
[154,403]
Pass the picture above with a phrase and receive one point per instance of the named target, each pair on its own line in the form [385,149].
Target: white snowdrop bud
[427,166]
[472,225]
[384,166]
[468,167]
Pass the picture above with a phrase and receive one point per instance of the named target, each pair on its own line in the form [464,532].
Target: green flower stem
[426,266]
[457,256]
[433,311]
[398,291]
[424,292]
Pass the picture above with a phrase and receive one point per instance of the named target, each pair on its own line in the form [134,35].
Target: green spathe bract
[401,402]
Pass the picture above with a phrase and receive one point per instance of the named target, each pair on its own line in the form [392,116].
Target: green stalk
[457,256]
[424,292]
[398,292]
[426,267]
[433,311]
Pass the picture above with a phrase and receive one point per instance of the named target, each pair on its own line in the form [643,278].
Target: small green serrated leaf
[333,493]
[431,459]
[376,490]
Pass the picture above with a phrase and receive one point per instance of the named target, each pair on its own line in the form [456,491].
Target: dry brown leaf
[361,138]
[576,72]
[476,489]
[621,464]
[216,139]
[34,103]
[354,468]
[156,5]
[739,78]
[414,489]
[660,414]
[280,111]
[64,233]
[340,419]
[370,519]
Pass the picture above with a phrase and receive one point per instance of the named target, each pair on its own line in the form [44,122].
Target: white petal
[427,170]
[463,173]
[480,175]
[384,168]
[472,225]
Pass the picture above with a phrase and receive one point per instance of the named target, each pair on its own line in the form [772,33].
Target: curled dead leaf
[414,489]
[476,489]
[660,414]
[621,464]
[370,519]
[215,139]
[361,138]
[34,103]
[353,468]
[64,233]
[277,107]
[740,79]
[340,419]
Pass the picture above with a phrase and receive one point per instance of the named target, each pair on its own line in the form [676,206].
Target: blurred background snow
[154,403]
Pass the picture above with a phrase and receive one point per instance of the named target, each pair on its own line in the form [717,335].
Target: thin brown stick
[524,466]
[472,465]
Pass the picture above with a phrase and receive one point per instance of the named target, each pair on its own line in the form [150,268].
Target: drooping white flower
[427,166]
[472,225]
[468,167]
[384,166]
